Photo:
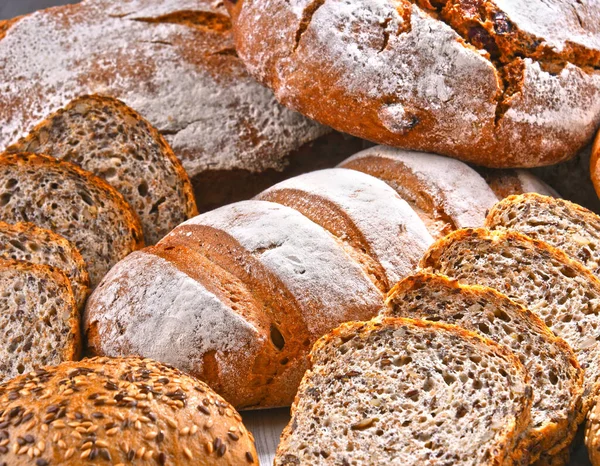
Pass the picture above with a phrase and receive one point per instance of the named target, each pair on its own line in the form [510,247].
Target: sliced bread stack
[402,391]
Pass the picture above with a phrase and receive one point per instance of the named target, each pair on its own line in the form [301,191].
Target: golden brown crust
[592,437]
[594,165]
[115,411]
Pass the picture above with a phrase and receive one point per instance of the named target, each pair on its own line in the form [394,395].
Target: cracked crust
[484,81]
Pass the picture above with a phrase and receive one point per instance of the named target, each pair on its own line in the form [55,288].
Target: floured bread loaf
[401,391]
[27,242]
[173,62]
[508,182]
[567,226]
[236,297]
[379,227]
[39,320]
[61,197]
[105,137]
[556,377]
[446,193]
[561,291]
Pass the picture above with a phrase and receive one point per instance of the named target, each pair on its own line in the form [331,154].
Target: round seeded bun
[118,411]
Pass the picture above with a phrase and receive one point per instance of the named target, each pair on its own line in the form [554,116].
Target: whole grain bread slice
[402,391]
[39,320]
[106,137]
[563,224]
[27,242]
[561,291]
[556,377]
[63,198]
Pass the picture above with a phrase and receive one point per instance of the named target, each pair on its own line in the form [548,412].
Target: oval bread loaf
[119,411]
[401,391]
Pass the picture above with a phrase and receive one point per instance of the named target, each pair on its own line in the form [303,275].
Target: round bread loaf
[118,411]
[494,82]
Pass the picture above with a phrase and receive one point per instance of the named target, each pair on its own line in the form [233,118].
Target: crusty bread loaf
[118,411]
[561,291]
[27,242]
[64,198]
[380,229]
[235,296]
[595,164]
[105,137]
[39,320]
[556,376]
[563,224]
[502,84]
[447,194]
[506,183]
[173,62]
[401,391]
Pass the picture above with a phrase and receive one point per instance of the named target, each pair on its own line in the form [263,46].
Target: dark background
[12,8]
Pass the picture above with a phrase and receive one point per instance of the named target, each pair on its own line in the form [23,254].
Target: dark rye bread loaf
[61,197]
[105,137]
[556,377]
[39,320]
[402,391]
[27,242]
[496,83]
[561,291]
[563,224]
[118,411]
[173,62]
[447,194]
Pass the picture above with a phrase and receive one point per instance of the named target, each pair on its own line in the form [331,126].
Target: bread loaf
[27,242]
[105,137]
[506,183]
[173,62]
[592,437]
[61,197]
[567,226]
[556,377]
[400,391]
[39,320]
[496,83]
[561,291]
[118,411]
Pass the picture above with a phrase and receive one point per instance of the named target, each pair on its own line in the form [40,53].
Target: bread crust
[507,439]
[595,165]
[403,74]
[116,411]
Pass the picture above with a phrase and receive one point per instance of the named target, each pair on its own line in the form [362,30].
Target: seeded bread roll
[402,391]
[27,242]
[378,227]
[118,411]
[561,291]
[497,83]
[39,320]
[105,137]
[556,377]
[563,224]
[63,198]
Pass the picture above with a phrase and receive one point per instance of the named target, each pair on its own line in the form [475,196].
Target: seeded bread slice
[563,224]
[39,321]
[106,137]
[561,291]
[556,377]
[74,203]
[402,391]
[592,434]
[27,242]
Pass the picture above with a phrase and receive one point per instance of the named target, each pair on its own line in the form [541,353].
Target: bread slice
[563,224]
[64,198]
[402,391]
[378,227]
[561,291]
[39,321]
[556,377]
[107,138]
[446,193]
[592,434]
[27,242]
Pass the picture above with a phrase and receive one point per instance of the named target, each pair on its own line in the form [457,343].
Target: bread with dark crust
[499,84]
[118,411]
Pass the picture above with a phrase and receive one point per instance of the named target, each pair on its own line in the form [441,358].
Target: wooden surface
[12,8]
